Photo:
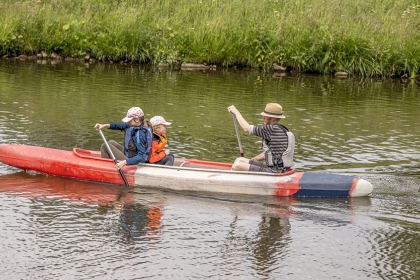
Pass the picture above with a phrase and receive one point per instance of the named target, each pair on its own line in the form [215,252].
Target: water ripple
[55,228]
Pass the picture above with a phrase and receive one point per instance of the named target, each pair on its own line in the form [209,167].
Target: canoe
[185,175]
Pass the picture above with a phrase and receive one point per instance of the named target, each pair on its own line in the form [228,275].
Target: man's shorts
[261,166]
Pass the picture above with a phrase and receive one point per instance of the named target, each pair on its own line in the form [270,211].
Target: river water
[56,228]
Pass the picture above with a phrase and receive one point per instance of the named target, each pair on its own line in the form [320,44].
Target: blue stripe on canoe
[324,185]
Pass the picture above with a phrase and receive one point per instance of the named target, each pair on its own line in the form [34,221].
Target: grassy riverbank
[371,38]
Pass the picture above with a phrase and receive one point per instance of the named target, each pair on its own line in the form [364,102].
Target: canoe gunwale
[93,155]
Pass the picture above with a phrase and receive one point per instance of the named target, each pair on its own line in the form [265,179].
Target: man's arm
[259,157]
[242,122]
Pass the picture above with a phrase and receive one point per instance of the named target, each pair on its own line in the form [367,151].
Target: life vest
[158,143]
[278,164]
[130,148]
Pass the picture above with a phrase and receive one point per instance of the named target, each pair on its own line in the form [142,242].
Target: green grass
[368,38]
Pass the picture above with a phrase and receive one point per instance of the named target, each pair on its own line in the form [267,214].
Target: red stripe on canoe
[291,187]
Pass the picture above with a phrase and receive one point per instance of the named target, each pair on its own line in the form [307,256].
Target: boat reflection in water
[136,220]
[38,186]
[197,232]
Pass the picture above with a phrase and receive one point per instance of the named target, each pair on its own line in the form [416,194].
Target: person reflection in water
[272,238]
[277,141]
[265,246]
[138,221]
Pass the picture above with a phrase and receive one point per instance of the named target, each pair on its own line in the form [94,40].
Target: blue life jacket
[130,148]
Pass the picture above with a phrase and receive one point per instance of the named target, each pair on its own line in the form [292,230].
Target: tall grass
[369,38]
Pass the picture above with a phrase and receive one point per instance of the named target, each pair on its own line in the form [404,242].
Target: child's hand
[121,164]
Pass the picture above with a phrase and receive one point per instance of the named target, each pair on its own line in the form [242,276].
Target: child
[137,136]
[158,155]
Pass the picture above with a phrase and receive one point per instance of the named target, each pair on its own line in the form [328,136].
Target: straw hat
[273,110]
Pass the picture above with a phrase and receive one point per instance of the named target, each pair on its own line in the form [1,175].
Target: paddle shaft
[113,157]
[237,135]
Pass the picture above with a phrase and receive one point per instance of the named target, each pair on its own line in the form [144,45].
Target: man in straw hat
[277,141]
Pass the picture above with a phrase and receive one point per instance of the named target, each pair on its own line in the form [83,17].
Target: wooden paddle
[237,135]
[113,157]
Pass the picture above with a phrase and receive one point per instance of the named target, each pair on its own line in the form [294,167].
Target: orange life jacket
[158,143]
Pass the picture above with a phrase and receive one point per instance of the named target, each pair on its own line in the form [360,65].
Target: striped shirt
[273,136]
